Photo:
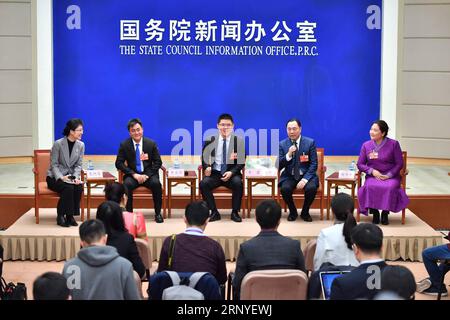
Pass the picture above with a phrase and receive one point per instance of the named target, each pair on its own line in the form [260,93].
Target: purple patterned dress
[378,194]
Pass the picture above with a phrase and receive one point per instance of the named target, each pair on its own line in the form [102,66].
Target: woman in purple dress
[381,160]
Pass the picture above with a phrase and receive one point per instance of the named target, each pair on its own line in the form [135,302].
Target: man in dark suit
[139,160]
[364,282]
[223,158]
[298,158]
[269,249]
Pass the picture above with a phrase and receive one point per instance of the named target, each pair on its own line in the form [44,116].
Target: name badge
[373,155]
[304,158]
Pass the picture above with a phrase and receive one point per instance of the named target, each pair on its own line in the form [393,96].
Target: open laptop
[326,280]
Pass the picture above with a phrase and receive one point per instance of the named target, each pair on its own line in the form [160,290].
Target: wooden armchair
[224,190]
[41,160]
[403,173]
[142,192]
[321,169]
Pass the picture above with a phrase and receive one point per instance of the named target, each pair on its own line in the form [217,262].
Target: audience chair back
[146,255]
[283,284]
[308,253]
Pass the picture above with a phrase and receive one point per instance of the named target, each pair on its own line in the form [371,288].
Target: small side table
[333,180]
[95,183]
[253,181]
[189,179]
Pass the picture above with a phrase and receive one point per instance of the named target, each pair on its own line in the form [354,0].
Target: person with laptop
[364,282]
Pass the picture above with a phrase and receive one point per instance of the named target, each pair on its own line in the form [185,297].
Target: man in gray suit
[64,173]
[223,158]
[269,249]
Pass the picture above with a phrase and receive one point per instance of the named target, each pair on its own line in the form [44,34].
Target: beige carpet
[25,240]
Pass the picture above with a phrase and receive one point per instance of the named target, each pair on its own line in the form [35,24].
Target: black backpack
[10,291]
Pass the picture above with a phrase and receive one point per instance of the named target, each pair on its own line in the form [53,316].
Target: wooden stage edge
[433,209]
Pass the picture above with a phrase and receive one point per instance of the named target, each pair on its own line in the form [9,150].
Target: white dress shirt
[218,159]
[331,247]
[140,150]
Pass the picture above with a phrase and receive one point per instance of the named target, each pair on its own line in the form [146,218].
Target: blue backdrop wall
[264,62]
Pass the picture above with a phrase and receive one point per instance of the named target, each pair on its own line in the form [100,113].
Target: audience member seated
[98,272]
[364,281]
[110,214]
[269,249]
[193,251]
[398,280]
[51,286]
[334,247]
[134,221]
[334,243]
[431,257]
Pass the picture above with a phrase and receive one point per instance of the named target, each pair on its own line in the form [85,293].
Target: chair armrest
[200,172]
[34,170]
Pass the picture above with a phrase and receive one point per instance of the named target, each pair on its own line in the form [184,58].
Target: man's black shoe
[235,217]
[292,217]
[214,216]
[306,217]
[70,221]
[60,221]
[159,218]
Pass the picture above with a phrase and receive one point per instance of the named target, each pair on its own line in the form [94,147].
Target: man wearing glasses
[142,166]
[223,158]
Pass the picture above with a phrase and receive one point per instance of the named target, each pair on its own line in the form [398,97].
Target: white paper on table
[176,172]
[346,174]
[91,174]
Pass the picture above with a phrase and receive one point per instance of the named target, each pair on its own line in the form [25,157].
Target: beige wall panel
[15,86]
[426,54]
[15,19]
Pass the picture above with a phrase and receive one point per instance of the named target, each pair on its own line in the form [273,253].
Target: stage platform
[25,240]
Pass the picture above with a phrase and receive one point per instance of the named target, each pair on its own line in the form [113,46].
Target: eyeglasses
[78,130]
[225,125]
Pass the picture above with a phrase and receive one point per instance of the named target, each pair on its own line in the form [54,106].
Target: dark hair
[368,237]
[114,192]
[384,128]
[111,215]
[133,122]
[296,120]
[268,214]
[400,280]
[72,124]
[225,116]
[196,213]
[342,206]
[92,231]
[50,286]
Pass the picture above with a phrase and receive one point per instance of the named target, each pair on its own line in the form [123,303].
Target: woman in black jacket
[110,214]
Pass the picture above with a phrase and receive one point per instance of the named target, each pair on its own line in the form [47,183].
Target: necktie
[223,166]
[138,159]
[296,164]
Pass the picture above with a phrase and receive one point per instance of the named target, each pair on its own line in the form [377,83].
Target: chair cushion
[301,191]
[222,189]
[143,191]
[44,190]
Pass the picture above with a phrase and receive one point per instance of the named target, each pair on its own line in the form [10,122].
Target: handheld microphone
[294,144]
